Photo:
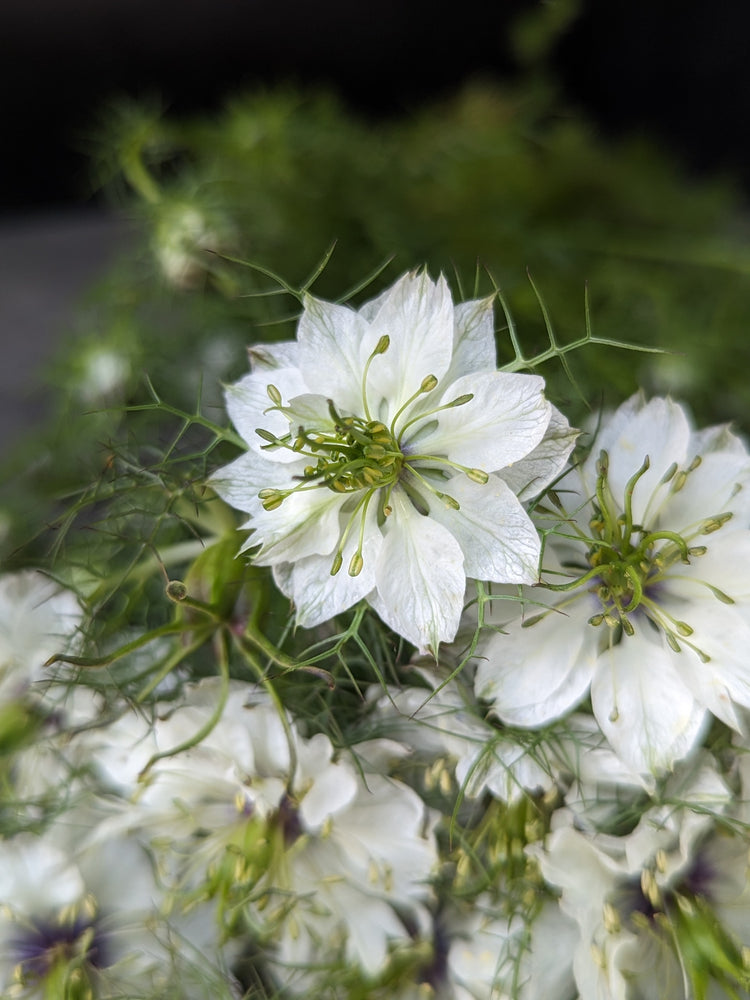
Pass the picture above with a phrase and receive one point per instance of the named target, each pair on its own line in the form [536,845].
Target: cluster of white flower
[548,801]
[179,832]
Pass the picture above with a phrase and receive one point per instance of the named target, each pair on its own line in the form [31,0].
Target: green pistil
[360,454]
[623,553]
[429,382]
[445,498]
[356,455]
[624,563]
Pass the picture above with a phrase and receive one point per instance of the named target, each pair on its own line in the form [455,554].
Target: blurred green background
[497,184]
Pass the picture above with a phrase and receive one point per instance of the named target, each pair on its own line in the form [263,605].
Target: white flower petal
[36,876]
[645,709]
[309,410]
[247,402]
[503,422]
[369,310]
[370,927]
[386,824]
[420,577]
[332,339]
[536,674]
[658,429]
[269,737]
[239,482]
[305,524]
[38,618]
[474,348]
[502,767]
[417,315]
[724,565]
[317,594]
[284,354]
[332,789]
[723,635]
[583,751]
[483,955]
[547,967]
[532,474]
[721,483]
[586,875]
[496,535]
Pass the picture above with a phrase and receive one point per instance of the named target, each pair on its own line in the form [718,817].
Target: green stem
[139,178]
[173,661]
[223,663]
[264,645]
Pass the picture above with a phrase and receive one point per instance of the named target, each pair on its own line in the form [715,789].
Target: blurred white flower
[664,909]
[183,235]
[104,374]
[482,953]
[598,787]
[386,457]
[648,603]
[328,860]
[83,924]
[38,618]
[446,729]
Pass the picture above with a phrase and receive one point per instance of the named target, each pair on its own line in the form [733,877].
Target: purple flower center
[48,941]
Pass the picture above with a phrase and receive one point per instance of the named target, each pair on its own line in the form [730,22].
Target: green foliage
[484,187]
[502,178]
[587,248]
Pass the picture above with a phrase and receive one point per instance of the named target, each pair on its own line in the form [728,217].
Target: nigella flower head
[662,911]
[387,459]
[326,858]
[649,603]
[83,923]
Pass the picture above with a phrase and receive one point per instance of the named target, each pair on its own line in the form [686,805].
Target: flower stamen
[458,401]
[356,561]
[429,382]
[380,348]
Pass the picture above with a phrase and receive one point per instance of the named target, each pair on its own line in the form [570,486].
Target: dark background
[679,72]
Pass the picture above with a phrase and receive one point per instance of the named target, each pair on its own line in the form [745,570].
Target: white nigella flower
[662,912]
[82,925]
[104,375]
[326,860]
[598,787]
[37,619]
[445,728]
[386,457]
[482,953]
[648,591]
[183,234]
